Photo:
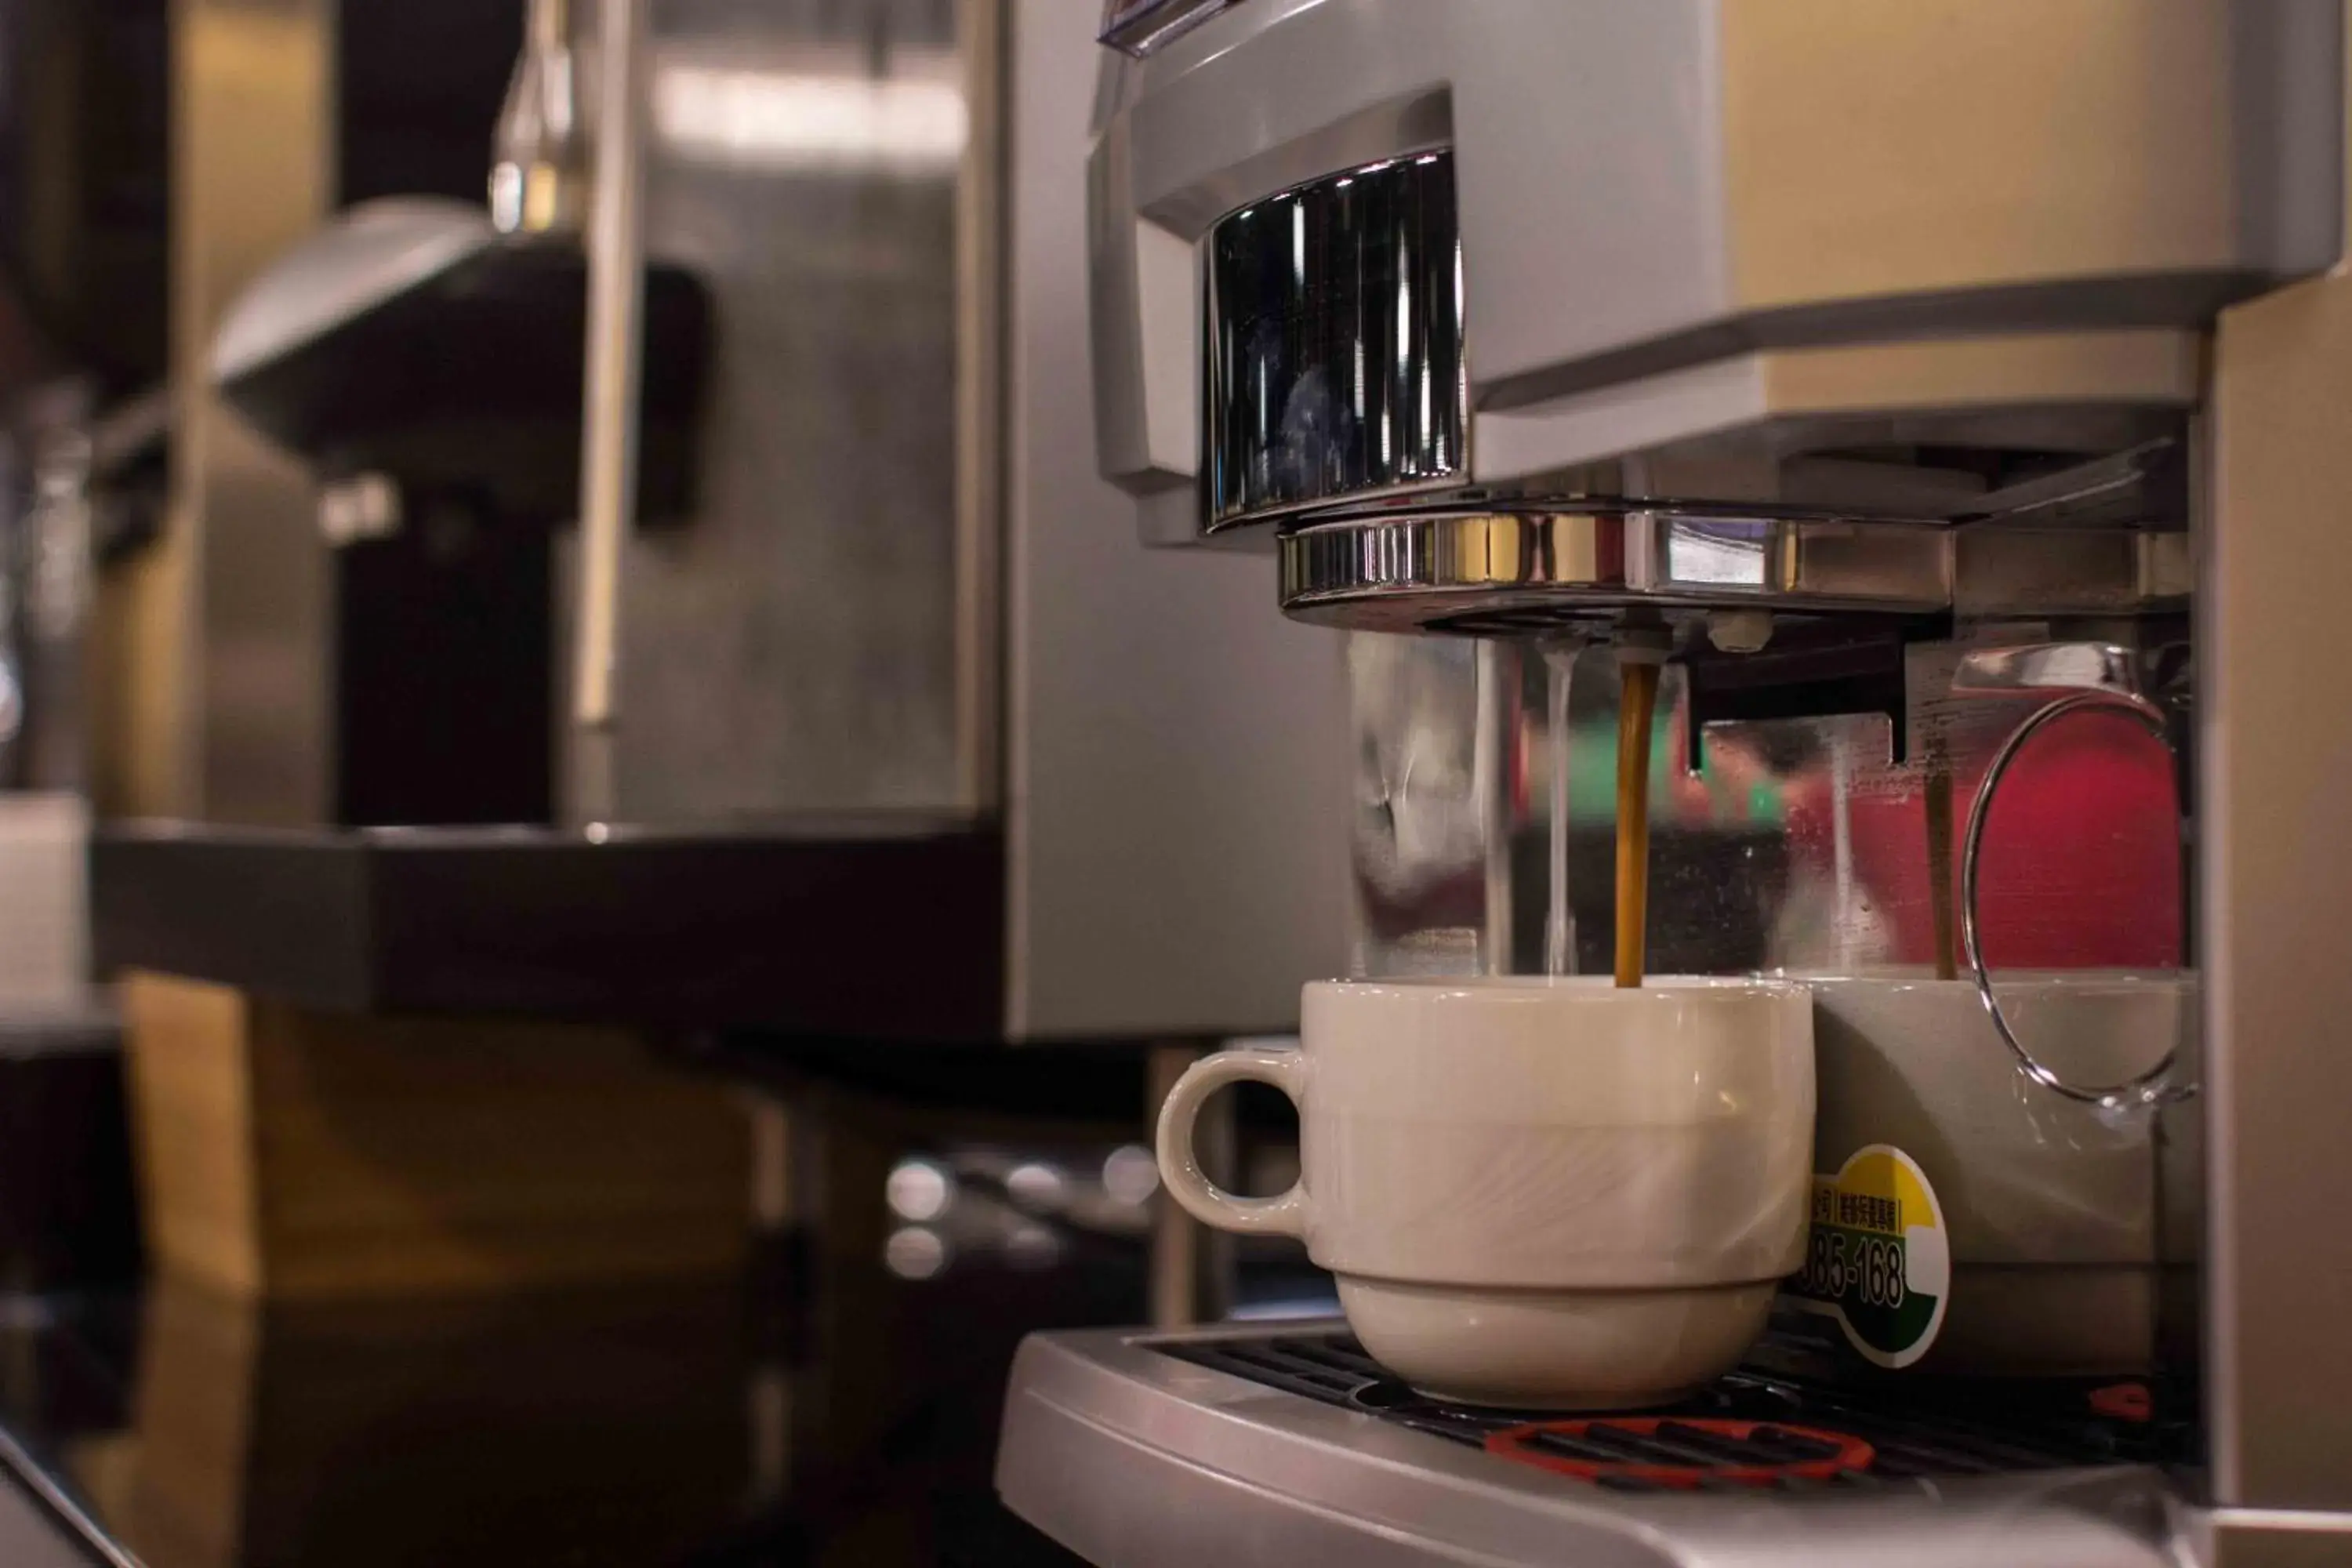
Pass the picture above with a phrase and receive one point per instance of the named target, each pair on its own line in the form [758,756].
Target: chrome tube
[608,447]
[1494,765]
[1559,920]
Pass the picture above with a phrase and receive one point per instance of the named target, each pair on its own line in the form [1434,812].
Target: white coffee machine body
[1736,234]
[1916,369]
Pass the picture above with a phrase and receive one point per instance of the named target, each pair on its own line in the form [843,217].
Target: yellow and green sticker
[1878,1260]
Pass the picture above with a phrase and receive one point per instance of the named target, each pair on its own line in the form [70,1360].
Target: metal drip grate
[1756,1427]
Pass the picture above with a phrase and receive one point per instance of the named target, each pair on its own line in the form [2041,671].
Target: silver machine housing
[2017,331]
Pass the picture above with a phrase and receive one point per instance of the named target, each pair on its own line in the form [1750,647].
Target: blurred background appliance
[451,1008]
[429,372]
[82,437]
[867,716]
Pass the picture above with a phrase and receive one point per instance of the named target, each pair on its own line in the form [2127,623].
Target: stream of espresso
[1636,705]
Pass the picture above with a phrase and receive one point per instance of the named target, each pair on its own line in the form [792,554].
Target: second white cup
[1537,1193]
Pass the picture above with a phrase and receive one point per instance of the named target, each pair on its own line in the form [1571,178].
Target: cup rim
[2006,982]
[1584,990]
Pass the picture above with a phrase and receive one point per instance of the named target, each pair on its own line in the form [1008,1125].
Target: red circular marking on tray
[1853,1453]
[2124,1402]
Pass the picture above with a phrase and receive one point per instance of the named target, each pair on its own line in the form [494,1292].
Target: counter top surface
[808,926]
[835,1413]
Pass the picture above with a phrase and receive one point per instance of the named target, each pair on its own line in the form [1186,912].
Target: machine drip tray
[1283,1444]
[1767,1426]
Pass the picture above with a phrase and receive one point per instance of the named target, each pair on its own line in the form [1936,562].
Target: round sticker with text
[1878,1259]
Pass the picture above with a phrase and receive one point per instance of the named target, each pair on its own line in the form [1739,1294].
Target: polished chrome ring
[1334,368]
[2151,1087]
[1487,569]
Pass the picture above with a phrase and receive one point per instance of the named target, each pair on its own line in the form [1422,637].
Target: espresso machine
[1954,395]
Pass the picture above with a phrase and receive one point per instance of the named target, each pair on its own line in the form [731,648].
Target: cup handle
[1180,1162]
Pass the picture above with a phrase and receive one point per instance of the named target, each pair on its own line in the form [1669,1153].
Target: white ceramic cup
[1537,1193]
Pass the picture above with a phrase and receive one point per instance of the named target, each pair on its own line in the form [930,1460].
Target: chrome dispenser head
[1480,570]
[1336,415]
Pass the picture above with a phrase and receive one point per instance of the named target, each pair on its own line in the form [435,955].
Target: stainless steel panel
[2043,571]
[795,646]
[2274,853]
[1776,413]
[2047,669]
[982,302]
[221,697]
[2269,1538]
[1135,1459]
